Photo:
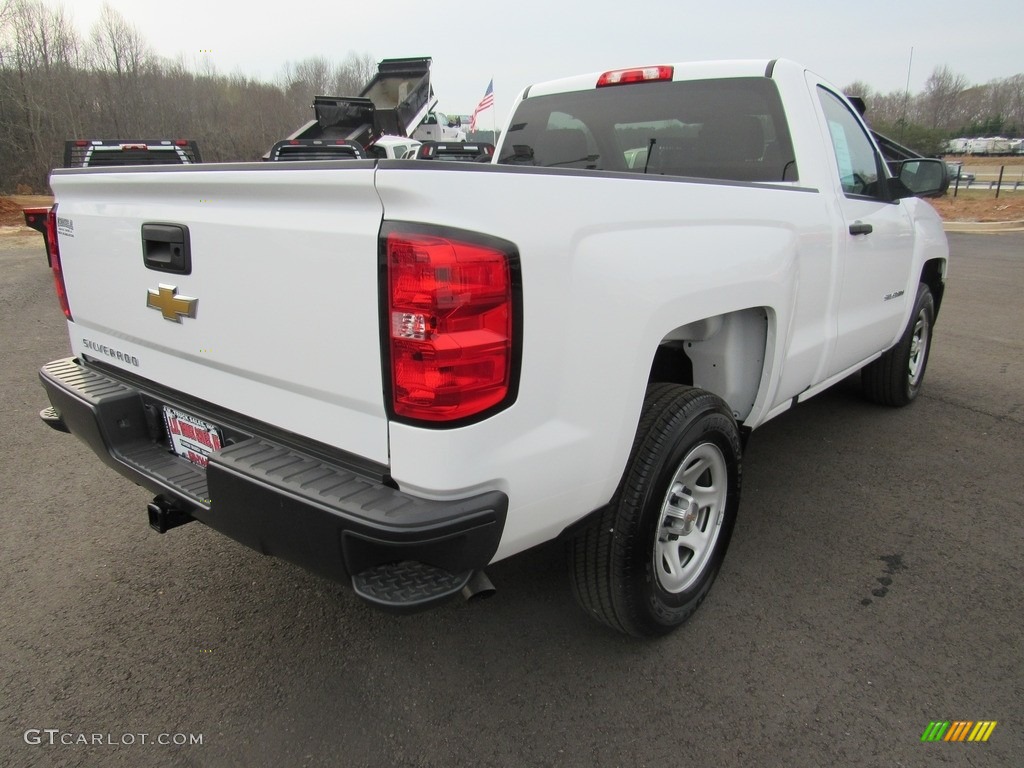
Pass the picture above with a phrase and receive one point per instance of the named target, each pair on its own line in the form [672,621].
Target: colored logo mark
[958,730]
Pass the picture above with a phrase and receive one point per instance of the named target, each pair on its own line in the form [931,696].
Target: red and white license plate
[191,438]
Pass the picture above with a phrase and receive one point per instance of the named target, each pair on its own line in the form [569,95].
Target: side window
[854,152]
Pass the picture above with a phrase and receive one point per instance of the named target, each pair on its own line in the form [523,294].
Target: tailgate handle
[165,248]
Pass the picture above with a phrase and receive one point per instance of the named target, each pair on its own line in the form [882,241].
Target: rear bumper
[399,552]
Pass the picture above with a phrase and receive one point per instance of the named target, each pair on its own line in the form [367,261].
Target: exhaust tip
[479,587]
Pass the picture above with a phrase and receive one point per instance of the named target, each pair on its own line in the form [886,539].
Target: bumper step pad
[53,420]
[408,585]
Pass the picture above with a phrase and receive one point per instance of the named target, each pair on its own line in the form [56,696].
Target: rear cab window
[105,157]
[729,129]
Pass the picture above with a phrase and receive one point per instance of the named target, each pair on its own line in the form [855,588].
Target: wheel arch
[933,274]
[724,354]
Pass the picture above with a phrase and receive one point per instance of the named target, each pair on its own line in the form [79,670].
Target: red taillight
[450,326]
[54,256]
[181,143]
[636,75]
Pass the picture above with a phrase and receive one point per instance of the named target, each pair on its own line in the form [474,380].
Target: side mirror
[920,177]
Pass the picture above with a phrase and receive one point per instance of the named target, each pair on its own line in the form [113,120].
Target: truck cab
[394,148]
[437,126]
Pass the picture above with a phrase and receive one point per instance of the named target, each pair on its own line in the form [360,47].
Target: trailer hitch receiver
[164,515]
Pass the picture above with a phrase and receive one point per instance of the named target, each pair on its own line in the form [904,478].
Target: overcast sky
[519,43]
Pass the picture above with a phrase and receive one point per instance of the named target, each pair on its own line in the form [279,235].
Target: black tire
[621,565]
[896,377]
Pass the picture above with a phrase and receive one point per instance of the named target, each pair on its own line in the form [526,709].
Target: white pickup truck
[395,373]
[437,126]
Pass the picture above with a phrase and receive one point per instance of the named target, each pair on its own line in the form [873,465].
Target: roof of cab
[692,70]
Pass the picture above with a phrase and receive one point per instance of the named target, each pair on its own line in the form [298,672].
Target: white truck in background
[394,148]
[396,373]
[437,126]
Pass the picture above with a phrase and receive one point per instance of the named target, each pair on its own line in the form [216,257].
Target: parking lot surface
[873,586]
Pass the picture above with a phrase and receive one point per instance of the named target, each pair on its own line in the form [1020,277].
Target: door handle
[860,228]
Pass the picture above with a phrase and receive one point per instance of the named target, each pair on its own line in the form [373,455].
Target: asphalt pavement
[873,586]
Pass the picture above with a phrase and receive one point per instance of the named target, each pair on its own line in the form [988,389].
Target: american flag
[485,103]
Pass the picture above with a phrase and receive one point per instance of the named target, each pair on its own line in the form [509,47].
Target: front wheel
[647,562]
[897,376]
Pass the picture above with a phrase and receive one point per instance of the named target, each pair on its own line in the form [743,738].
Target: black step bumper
[285,502]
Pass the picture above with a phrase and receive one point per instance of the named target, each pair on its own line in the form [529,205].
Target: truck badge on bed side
[171,305]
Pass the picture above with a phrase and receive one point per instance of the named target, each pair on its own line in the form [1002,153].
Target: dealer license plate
[191,438]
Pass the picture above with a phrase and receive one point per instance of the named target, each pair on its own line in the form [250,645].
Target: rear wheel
[896,377]
[649,559]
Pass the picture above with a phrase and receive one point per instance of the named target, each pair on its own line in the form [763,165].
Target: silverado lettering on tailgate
[103,349]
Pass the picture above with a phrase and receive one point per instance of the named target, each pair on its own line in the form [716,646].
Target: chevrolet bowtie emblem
[171,305]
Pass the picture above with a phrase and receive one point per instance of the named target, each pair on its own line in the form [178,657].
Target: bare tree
[317,76]
[352,75]
[1015,101]
[942,92]
[6,18]
[859,88]
[117,46]
[308,78]
[38,70]
[971,108]
[888,109]
[120,54]
[6,14]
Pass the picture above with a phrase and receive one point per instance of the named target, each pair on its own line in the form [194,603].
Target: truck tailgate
[284,277]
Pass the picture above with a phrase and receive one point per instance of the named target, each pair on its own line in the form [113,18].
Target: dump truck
[395,101]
